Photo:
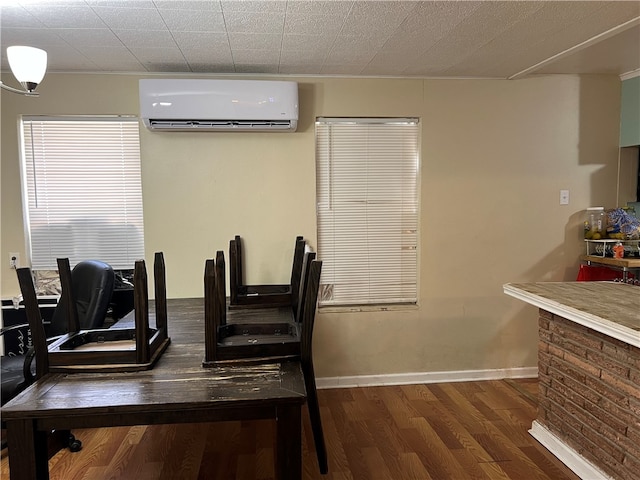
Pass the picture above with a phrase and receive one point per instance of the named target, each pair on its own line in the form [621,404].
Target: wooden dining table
[177,390]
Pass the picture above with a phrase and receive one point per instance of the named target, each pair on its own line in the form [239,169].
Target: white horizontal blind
[83,190]
[367,208]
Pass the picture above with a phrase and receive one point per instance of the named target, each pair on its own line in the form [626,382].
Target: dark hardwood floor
[467,430]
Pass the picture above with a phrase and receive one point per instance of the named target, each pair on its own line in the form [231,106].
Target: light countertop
[611,308]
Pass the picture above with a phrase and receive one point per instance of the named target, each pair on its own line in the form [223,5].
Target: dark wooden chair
[253,332]
[93,282]
[273,295]
[100,350]
[262,335]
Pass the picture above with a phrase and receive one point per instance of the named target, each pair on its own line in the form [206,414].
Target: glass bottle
[594,223]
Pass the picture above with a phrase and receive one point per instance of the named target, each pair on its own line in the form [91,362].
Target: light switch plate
[564,197]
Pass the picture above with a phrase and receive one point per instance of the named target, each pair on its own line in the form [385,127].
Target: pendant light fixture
[28,65]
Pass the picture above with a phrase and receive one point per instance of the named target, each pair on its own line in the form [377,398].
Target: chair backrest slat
[68,298]
[210,316]
[235,269]
[160,286]
[296,270]
[311,302]
[38,336]
[299,306]
[220,297]
[141,307]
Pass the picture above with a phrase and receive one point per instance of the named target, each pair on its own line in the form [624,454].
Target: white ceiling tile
[382,71]
[344,56]
[408,38]
[34,37]
[193,20]
[429,23]
[302,57]
[351,69]
[65,16]
[148,55]
[201,40]
[17,16]
[250,22]
[299,69]
[394,60]
[320,7]
[381,18]
[146,39]
[121,66]
[121,18]
[48,2]
[418,68]
[256,57]
[551,30]
[120,3]
[367,43]
[262,41]
[257,68]
[379,8]
[307,42]
[209,5]
[107,54]
[489,20]
[211,57]
[208,67]
[89,36]
[69,59]
[269,6]
[312,24]
[161,66]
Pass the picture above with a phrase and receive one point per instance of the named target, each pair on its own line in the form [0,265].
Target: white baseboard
[425,377]
[567,455]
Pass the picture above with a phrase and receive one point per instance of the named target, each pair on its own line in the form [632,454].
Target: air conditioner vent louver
[217,125]
[219,105]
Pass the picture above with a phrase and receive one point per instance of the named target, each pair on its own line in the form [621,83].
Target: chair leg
[59,439]
[74,445]
[314,414]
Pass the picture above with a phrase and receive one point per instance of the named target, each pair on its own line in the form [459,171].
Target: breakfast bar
[589,371]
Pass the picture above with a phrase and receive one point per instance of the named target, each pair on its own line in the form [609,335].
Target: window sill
[367,308]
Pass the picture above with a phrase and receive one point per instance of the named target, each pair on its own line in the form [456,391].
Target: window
[82,190]
[367,208]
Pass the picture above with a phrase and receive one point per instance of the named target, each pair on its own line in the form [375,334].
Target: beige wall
[494,156]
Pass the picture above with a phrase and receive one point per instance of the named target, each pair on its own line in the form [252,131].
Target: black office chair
[92,283]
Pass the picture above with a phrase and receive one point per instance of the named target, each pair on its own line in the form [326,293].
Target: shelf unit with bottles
[600,252]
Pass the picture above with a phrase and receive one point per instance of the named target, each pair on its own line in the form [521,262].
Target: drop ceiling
[476,39]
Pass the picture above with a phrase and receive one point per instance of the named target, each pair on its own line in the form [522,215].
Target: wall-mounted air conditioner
[219,105]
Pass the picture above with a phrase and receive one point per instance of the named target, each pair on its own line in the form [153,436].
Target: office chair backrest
[92,282]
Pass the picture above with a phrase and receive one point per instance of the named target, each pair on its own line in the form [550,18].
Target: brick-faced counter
[589,370]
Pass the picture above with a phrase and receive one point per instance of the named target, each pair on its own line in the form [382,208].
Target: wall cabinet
[630,112]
